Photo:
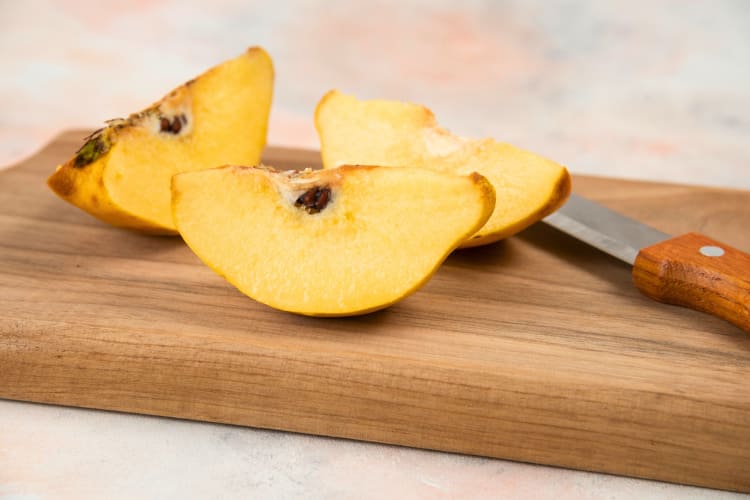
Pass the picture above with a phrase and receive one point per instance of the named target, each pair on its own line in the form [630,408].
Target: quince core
[335,242]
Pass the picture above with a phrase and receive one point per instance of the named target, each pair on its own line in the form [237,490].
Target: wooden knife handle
[697,272]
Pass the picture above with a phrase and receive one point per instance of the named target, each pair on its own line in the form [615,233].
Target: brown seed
[176,125]
[164,124]
[314,199]
[309,198]
[321,198]
[183,118]
[300,201]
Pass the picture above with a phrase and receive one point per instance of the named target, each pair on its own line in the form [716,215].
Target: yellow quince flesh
[122,173]
[391,133]
[336,242]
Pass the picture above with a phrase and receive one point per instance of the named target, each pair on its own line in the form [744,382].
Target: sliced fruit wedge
[391,133]
[122,172]
[335,242]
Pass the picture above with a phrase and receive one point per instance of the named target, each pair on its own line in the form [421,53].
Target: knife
[690,270]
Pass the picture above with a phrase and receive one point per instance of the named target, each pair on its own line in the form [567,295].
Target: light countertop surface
[656,90]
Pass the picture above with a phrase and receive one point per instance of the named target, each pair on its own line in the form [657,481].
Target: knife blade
[691,270]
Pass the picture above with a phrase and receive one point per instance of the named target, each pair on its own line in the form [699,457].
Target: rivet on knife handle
[697,272]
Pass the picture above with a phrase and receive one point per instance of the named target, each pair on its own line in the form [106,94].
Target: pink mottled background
[654,89]
[638,89]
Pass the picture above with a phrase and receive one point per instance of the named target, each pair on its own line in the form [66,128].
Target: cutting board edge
[403,405]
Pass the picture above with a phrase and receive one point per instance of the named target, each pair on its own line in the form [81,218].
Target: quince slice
[335,242]
[391,133]
[122,173]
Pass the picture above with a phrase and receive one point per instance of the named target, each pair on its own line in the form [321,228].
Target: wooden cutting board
[536,349]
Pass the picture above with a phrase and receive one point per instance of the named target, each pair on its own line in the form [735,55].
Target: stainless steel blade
[603,228]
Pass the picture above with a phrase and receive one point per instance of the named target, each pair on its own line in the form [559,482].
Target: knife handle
[697,272]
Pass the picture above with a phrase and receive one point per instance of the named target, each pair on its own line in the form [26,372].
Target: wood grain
[677,272]
[537,348]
